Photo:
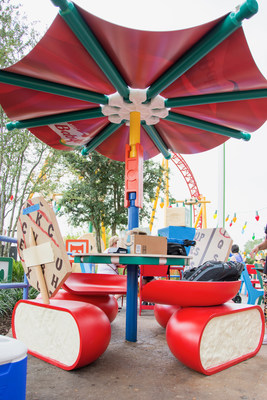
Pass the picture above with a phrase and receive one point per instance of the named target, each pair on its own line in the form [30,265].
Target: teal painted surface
[155,137]
[207,126]
[86,37]
[215,98]
[132,260]
[217,35]
[51,87]
[97,140]
[55,119]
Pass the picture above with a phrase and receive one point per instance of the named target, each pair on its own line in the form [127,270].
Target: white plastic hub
[118,110]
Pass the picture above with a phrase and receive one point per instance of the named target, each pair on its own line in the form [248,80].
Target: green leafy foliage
[9,298]
[249,246]
[26,164]
[96,192]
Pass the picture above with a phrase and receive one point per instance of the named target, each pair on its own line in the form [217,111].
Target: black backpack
[177,248]
[215,271]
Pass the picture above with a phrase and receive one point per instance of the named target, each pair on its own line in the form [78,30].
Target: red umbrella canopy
[194,88]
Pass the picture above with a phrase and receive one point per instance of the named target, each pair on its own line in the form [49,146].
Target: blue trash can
[13,369]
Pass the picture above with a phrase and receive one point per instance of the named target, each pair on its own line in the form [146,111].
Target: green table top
[126,259]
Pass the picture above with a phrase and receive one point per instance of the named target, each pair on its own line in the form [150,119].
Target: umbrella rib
[219,33]
[157,140]
[41,85]
[57,118]
[216,98]
[81,30]
[100,138]
[207,126]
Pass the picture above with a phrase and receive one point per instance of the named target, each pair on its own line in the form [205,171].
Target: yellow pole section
[199,215]
[166,200]
[103,234]
[204,214]
[155,201]
[134,137]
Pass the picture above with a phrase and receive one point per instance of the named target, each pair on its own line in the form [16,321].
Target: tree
[21,154]
[96,192]
[16,35]
[249,245]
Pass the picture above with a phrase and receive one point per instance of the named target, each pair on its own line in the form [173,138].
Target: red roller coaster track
[183,167]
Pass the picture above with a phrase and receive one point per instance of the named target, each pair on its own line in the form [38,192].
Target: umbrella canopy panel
[61,89]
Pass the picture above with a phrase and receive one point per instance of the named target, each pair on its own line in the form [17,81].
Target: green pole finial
[86,37]
[62,4]
[207,126]
[245,11]
[204,46]
[56,119]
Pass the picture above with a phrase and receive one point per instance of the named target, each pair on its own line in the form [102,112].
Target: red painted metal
[134,175]
[188,176]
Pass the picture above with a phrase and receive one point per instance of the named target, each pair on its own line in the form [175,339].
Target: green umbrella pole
[216,98]
[212,39]
[100,138]
[158,142]
[207,126]
[55,119]
[52,88]
[86,37]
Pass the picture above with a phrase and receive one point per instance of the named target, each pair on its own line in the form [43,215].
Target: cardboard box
[177,216]
[144,244]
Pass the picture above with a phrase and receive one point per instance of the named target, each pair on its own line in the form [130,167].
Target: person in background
[236,256]
[262,262]
[254,251]
[110,268]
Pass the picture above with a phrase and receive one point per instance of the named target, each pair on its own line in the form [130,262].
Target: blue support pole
[26,288]
[132,278]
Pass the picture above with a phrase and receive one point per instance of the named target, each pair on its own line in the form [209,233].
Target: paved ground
[145,370]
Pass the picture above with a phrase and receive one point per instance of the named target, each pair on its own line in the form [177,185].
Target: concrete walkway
[145,370]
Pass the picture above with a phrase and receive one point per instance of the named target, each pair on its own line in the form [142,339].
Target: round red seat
[106,303]
[163,313]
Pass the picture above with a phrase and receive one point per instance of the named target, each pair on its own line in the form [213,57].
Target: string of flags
[234,219]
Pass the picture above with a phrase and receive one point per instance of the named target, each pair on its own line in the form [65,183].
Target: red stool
[163,313]
[106,303]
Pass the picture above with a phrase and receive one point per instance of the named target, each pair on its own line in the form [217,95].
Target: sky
[245,177]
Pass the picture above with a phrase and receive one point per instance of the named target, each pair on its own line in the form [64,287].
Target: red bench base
[210,339]
[66,334]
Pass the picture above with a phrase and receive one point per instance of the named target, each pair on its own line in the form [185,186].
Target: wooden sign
[41,248]
[211,245]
